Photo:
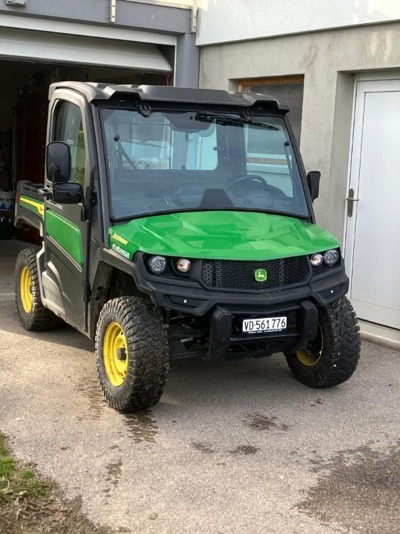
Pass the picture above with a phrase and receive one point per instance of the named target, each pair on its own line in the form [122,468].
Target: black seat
[215,199]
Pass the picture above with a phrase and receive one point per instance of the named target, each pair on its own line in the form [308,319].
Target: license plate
[266,324]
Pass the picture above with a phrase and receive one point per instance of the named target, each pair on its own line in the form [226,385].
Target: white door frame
[353,181]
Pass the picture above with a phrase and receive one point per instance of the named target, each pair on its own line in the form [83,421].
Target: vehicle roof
[159,93]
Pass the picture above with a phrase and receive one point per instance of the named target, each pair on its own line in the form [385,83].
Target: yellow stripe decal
[38,205]
[119,238]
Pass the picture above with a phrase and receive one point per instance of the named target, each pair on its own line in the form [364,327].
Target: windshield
[169,162]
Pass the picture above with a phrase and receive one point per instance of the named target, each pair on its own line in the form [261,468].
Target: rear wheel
[332,357]
[32,313]
[132,353]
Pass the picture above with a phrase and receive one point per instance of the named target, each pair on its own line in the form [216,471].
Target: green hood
[224,235]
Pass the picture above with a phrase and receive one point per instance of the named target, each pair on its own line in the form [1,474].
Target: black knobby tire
[134,325]
[332,357]
[32,313]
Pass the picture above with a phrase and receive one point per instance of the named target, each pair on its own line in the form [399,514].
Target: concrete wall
[235,20]
[328,60]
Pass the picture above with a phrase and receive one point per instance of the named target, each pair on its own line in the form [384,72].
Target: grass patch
[6,462]
[30,504]
[17,482]
[3,450]
[27,473]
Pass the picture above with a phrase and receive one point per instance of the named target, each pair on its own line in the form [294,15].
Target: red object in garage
[30,147]
[31,136]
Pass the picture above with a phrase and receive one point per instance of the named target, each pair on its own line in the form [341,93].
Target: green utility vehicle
[178,222]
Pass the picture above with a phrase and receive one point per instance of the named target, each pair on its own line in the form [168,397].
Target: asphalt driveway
[233,447]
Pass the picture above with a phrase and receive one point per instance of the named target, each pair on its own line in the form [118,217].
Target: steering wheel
[274,192]
[251,178]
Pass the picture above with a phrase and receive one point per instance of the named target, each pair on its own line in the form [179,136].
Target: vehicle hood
[225,235]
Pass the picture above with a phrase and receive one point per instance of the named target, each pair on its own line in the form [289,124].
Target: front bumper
[226,309]
[191,298]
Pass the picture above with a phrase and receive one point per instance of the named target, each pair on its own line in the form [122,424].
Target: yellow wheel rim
[115,353]
[26,289]
[313,354]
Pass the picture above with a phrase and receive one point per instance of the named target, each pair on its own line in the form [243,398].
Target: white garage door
[59,48]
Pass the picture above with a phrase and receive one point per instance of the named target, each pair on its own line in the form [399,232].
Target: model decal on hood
[121,251]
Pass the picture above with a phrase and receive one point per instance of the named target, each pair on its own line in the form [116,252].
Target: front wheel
[331,358]
[132,353]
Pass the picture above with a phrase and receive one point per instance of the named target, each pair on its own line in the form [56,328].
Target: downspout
[187,55]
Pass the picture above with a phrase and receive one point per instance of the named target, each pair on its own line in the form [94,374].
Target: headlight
[331,257]
[183,265]
[157,264]
[316,260]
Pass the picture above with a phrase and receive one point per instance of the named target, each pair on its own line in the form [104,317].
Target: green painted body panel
[224,235]
[66,234]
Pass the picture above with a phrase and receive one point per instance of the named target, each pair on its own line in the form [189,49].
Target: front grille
[241,274]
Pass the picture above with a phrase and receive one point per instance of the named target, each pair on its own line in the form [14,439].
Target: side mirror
[58,162]
[67,193]
[313,178]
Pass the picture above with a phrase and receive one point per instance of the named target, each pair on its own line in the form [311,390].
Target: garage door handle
[350,202]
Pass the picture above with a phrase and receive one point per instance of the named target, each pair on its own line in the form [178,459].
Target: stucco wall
[234,20]
[328,60]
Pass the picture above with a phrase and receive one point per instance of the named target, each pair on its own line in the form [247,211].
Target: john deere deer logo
[261,275]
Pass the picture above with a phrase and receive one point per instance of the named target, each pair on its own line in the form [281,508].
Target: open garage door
[58,48]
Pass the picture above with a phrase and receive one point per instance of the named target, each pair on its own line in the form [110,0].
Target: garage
[29,62]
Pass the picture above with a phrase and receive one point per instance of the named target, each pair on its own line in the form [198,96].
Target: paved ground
[232,448]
